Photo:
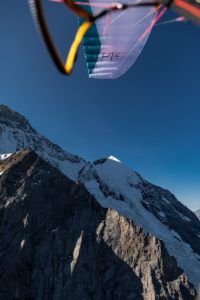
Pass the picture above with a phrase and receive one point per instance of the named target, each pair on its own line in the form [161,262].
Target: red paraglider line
[159,16]
[188,7]
[171,21]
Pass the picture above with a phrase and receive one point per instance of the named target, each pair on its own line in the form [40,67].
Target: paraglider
[113,34]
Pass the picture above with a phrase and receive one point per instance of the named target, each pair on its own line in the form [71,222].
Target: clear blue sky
[149,118]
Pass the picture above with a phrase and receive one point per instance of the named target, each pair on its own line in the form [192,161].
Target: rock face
[155,209]
[16,134]
[58,243]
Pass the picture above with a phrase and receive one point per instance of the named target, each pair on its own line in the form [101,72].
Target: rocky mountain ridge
[16,133]
[58,243]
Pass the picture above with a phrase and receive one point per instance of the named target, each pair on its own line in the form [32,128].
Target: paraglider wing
[113,34]
[114,42]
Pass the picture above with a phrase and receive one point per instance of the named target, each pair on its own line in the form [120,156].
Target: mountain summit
[142,225]
[16,133]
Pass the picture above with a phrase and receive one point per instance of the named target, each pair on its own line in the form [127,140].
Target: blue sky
[149,118]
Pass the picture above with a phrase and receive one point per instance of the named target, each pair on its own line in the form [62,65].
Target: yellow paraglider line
[75,45]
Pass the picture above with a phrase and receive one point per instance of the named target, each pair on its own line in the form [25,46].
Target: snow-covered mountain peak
[16,134]
[12,118]
[114,172]
[156,210]
[111,157]
[117,174]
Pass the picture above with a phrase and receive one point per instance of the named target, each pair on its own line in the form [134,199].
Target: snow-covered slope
[155,209]
[16,133]
[116,186]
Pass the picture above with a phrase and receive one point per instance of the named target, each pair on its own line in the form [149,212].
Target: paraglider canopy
[113,34]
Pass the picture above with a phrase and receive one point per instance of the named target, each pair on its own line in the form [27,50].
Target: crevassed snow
[118,177]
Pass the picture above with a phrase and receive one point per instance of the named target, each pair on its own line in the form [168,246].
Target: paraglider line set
[89,19]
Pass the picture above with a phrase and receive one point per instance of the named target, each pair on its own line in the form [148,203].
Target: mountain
[16,133]
[198,213]
[116,188]
[58,243]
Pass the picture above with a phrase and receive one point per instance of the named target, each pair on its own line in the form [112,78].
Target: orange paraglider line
[188,7]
